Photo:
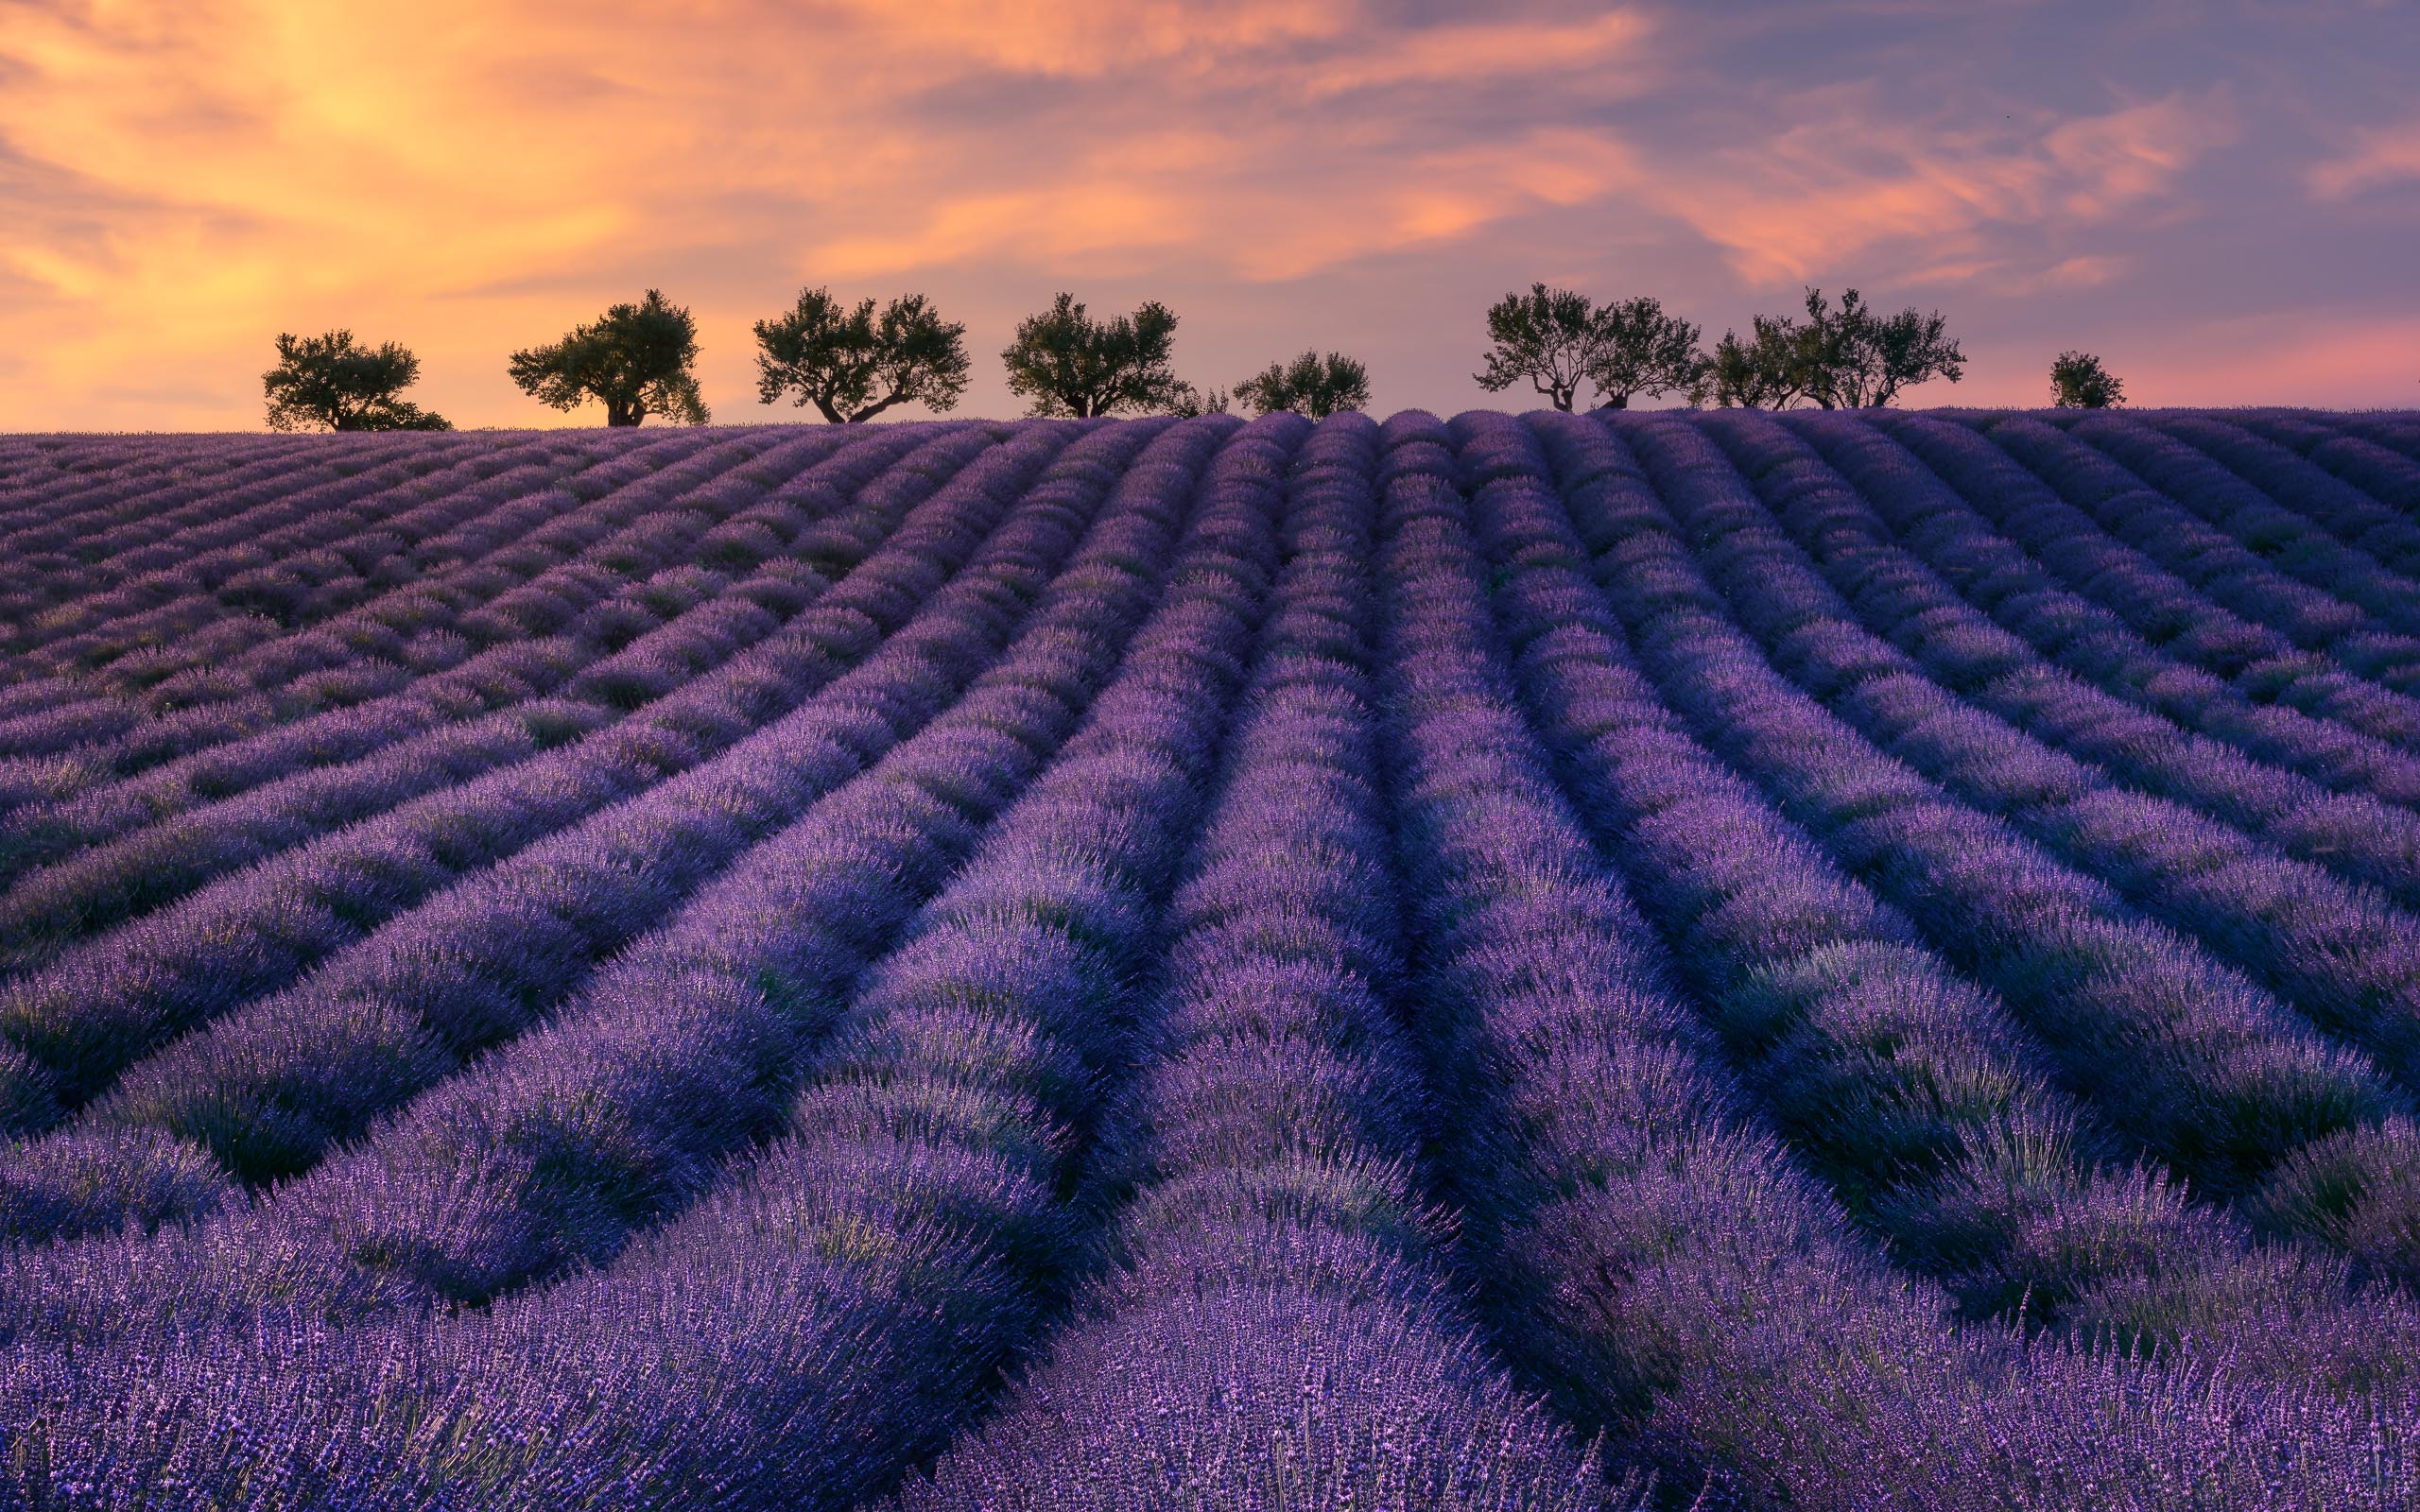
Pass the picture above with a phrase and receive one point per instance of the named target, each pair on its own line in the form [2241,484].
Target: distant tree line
[855,362]
[1846,358]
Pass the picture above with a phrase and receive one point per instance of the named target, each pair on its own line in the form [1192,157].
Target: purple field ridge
[1860,961]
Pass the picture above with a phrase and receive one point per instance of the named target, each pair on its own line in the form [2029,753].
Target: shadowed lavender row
[336,638]
[270,558]
[2278,506]
[1857,524]
[267,1088]
[257,795]
[127,521]
[1838,963]
[2211,1074]
[1280,1324]
[2220,570]
[110,1000]
[2344,954]
[964,1044]
[2377,517]
[2109,615]
[1902,1084]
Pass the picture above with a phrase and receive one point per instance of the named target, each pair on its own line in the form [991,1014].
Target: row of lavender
[1353,960]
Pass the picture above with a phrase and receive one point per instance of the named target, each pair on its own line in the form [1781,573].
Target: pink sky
[2220,198]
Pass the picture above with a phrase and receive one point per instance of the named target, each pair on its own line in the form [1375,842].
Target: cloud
[466,174]
[1255,203]
[1463,55]
[1999,276]
[2385,155]
[1087,37]
[1846,176]
[1058,224]
[179,182]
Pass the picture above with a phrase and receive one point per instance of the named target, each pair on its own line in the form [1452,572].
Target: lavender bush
[1833,962]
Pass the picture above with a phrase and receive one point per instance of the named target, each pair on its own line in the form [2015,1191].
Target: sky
[2220,199]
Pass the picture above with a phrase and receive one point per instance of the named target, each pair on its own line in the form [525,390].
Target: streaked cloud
[179,181]
[1460,55]
[2380,156]
[1086,38]
[1842,177]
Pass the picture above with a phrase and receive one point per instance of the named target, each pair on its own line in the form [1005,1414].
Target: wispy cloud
[1841,175]
[178,182]
[2379,156]
[1466,53]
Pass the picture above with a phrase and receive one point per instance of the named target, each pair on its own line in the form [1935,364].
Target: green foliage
[1767,370]
[1867,359]
[1640,350]
[1550,336]
[2077,381]
[634,361]
[1310,384]
[328,382]
[1065,363]
[1556,340]
[1191,400]
[852,366]
[1849,358]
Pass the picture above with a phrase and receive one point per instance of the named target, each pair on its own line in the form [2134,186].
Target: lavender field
[1843,961]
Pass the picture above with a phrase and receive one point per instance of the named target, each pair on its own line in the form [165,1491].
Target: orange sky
[181,181]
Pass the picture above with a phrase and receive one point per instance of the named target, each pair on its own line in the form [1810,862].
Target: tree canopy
[1190,400]
[1866,358]
[1549,337]
[1848,358]
[636,361]
[1065,363]
[852,366]
[1767,370]
[1310,384]
[2077,381]
[1640,350]
[327,382]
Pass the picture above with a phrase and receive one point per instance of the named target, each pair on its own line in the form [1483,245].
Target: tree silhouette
[1848,358]
[1065,363]
[1190,400]
[326,382]
[1769,370]
[1550,336]
[1862,360]
[1640,350]
[852,366]
[2077,381]
[634,361]
[1310,384]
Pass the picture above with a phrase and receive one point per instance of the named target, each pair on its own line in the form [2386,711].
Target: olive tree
[636,361]
[328,382]
[1550,336]
[1310,384]
[1064,362]
[1844,358]
[1642,351]
[2077,381]
[852,365]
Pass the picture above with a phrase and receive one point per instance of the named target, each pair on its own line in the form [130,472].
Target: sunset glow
[2219,200]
